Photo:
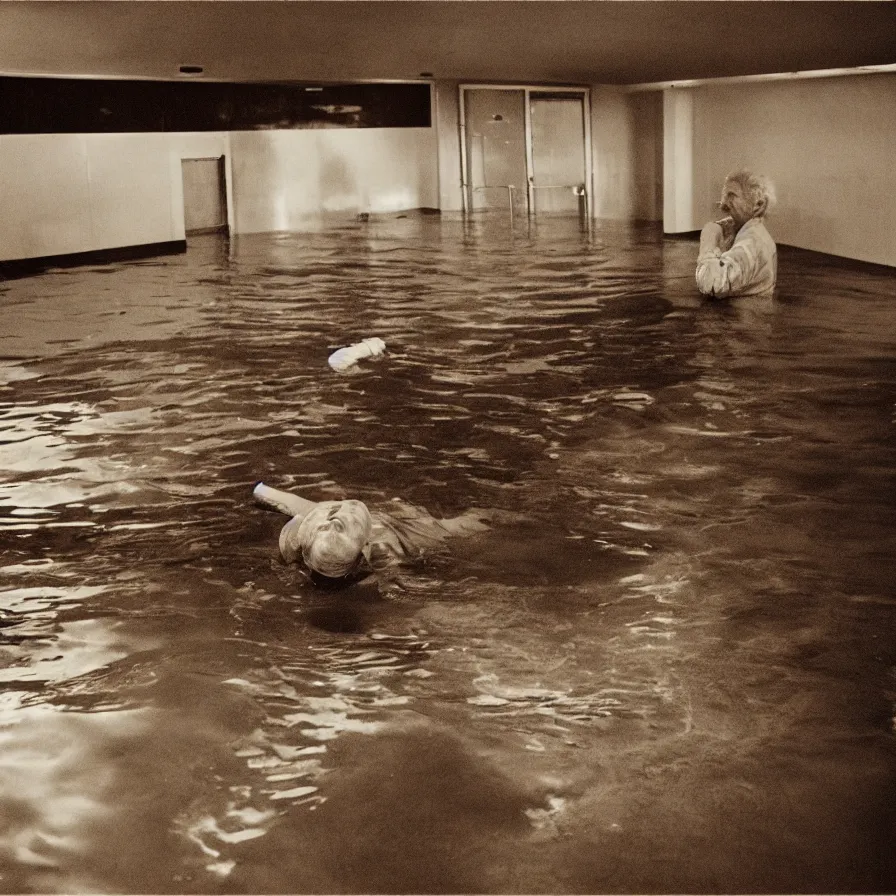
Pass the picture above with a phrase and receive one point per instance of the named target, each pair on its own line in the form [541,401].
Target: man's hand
[711,237]
[729,229]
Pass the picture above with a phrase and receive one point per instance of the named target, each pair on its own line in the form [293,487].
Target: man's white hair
[330,552]
[758,186]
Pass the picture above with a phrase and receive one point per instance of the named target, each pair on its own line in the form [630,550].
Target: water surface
[672,671]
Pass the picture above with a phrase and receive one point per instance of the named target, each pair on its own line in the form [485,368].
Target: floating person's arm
[344,358]
[328,535]
[291,505]
[724,273]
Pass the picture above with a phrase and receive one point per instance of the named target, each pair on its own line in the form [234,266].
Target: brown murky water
[674,673]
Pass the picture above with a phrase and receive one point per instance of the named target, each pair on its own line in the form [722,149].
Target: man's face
[737,203]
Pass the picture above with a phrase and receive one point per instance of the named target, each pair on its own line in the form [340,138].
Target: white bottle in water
[344,358]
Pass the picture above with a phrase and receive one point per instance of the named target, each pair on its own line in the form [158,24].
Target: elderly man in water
[342,539]
[737,255]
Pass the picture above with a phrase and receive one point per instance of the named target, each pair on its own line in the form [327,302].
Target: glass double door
[525,150]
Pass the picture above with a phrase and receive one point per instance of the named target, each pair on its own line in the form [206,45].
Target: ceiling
[523,41]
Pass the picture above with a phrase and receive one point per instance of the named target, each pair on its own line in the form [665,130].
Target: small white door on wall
[205,202]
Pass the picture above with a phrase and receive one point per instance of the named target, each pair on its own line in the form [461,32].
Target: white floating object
[344,358]
[633,397]
[487,700]
[289,753]
[295,793]
[240,836]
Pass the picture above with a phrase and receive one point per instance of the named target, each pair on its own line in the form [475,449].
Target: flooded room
[447,447]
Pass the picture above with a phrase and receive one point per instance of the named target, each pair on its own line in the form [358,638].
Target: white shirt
[748,268]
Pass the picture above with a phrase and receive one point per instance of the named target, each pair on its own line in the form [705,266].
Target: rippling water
[670,670]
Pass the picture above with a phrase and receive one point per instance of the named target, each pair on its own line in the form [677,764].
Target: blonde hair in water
[332,551]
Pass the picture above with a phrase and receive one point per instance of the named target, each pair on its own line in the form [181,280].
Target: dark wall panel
[79,106]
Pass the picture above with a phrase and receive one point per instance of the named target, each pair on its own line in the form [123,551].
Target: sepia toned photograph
[447,447]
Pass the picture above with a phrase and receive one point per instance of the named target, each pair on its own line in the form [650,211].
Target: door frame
[527,90]
[178,157]
[222,186]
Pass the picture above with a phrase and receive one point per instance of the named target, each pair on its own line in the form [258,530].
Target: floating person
[737,255]
[342,539]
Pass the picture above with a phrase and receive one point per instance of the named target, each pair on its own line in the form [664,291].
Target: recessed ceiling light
[191,70]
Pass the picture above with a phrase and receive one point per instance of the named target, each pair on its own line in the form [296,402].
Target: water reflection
[665,668]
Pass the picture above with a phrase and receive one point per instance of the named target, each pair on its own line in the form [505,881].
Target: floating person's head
[747,195]
[333,535]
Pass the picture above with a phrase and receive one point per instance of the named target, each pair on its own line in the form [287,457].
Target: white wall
[45,195]
[447,117]
[67,193]
[829,145]
[626,136]
[679,204]
[647,112]
[286,180]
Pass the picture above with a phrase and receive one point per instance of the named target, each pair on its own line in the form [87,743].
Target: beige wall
[286,180]
[626,143]
[447,117]
[827,143]
[45,193]
[647,160]
[66,193]
[680,213]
